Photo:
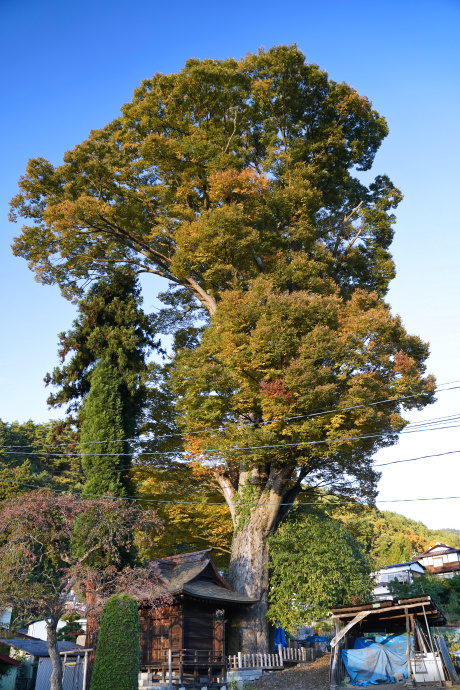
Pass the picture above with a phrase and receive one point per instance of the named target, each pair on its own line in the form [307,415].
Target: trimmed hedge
[117,653]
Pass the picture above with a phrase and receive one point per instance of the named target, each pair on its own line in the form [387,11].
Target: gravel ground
[315,676]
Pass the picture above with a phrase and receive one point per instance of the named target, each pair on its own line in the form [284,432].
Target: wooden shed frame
[380,617]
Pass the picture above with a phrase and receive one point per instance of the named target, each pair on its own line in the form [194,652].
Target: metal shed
[37,651]
[415,616]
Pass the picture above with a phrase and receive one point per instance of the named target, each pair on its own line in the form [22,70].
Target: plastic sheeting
[280,637]
[376,660]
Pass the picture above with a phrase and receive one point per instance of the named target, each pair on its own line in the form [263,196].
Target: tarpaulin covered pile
[374,661]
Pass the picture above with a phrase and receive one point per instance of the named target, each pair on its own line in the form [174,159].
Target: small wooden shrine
[192,627]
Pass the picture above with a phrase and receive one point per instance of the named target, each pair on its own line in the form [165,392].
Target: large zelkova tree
[238,182]
[49,545]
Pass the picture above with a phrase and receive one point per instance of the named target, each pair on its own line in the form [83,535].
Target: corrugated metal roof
[38,647]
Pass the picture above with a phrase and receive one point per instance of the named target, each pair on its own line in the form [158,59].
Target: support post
[432,648]
[170,668]
[335,651]
[85,669]
[280,654]
[410,680]
[63,668]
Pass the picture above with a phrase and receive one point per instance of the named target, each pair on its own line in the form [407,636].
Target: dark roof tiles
[194,574]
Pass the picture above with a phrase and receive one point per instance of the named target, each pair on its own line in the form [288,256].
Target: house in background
[37,629]
[402,572]
[36,664]
[440,559]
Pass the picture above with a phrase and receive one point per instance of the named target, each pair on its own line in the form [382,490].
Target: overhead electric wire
[223,503]
[223,427]
[146,466]
[421,457]
[232,449]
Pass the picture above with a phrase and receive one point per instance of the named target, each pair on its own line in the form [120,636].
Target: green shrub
[117,654]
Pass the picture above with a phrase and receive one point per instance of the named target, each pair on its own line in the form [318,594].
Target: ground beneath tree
[315,676]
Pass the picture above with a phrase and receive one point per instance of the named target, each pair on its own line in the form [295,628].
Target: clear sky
[67,67]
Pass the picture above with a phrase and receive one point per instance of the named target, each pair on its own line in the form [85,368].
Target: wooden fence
[275,661]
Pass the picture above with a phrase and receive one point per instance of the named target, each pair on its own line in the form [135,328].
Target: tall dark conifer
[104,379]
[104,433]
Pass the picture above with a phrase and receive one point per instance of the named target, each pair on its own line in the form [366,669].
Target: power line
[137,465]
[421,457]
[382,464]
[271,421]
[234,448]
[253,503]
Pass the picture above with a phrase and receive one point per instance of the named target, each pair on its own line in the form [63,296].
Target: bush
[117,654]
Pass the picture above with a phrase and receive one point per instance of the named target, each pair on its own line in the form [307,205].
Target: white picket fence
[271,661]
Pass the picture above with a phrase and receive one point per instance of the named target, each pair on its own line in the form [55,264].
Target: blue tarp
[280,637]
[376,660]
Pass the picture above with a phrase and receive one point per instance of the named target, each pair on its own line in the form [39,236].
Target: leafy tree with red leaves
[41,561]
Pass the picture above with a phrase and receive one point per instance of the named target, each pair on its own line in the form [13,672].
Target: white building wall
[38,628]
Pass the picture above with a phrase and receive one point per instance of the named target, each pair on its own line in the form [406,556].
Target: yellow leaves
[234,185]
[193,511]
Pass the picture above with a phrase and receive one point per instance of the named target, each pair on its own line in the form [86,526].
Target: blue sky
[67,67]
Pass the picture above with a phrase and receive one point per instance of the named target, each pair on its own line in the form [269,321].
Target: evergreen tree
[106,427]
[71,629]
[104,378]
[117,656]
[110,326]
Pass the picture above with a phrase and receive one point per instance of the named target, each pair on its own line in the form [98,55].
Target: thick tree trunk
[255,511]
[56,661]
[248,575]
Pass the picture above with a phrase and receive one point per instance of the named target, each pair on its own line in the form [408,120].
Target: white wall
[38,628]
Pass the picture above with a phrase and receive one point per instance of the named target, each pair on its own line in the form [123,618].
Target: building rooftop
[438,548]
[38,647]
[400,565]
[194,574]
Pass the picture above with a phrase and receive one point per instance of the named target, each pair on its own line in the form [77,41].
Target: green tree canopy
[110,326]
[315,564]
[117,655]
[35,455]
[104,435]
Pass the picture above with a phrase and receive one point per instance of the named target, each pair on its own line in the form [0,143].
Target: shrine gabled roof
[194,574]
